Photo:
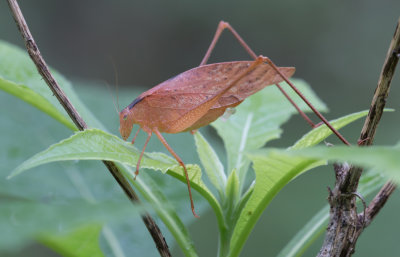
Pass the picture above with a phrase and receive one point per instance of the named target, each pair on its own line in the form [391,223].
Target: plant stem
[44,71]
[345,224]
[223,242]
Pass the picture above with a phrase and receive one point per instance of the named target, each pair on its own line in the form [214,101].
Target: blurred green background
[336,46]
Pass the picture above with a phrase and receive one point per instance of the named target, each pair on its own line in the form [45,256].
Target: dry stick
[43,69]
[345,225]
[381,94]
[378,202]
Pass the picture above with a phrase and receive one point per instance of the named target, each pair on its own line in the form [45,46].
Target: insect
[199,96]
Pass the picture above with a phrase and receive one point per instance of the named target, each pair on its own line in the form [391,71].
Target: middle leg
[164,142]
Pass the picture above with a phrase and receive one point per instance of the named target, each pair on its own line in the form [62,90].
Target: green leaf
[81,242]
[383,158]
[307,235]
[22,219]
[232,193]
[197,183]
[211,163]
[232,187]
[94,144]
[257,121]
[320,133]
[19,77]
[172,221]
[273,171]
[369,183]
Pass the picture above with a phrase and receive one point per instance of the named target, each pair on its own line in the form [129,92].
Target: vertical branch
[345,225]
[44,71]
[382,90]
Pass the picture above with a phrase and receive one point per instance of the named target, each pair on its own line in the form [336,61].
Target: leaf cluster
[62,203]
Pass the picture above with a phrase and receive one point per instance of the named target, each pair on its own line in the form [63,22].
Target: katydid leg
[221,27]
[141,154]
[323,119]
[164,142]
[134,138]
[224,25]
[305,117]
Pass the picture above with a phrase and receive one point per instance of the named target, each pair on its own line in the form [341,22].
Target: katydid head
[125,123]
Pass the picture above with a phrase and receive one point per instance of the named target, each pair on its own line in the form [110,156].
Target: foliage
[86,204]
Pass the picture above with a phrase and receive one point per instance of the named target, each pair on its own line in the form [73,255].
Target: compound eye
[125,117]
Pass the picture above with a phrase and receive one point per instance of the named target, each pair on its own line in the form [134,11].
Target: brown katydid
[199,96]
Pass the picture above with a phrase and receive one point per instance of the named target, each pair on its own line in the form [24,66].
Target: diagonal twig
[378,202]
[380,95]
[345,224]
[44,71]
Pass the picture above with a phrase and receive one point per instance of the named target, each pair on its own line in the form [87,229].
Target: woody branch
[346,225]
